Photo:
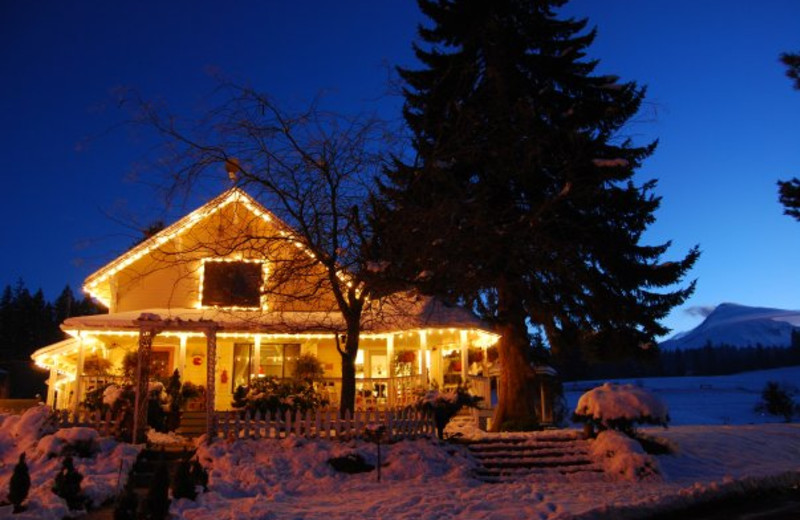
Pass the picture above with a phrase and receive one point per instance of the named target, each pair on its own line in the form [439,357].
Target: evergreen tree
[20,484]
[520,200]
[68,485]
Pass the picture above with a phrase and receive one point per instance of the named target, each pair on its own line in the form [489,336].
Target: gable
[167,270]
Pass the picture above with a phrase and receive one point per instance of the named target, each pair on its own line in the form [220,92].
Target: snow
[33,433]
[423,478]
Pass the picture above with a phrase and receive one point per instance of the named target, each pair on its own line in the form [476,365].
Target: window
[277,360]
[226,283]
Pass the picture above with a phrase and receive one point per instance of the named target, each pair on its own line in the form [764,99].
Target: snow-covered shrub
[620,407]
[776,400]
[623,456]
[278,396]
[444,405]
[79,441]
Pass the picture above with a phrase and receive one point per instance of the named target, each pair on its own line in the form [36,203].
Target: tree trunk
[516,404]
[348,397]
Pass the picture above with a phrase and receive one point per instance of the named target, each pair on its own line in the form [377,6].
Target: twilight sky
[77,181]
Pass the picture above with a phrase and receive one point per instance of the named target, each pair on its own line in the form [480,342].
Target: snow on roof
[93,282]
[406,312]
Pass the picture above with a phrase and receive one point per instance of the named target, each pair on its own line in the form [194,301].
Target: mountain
[740,326]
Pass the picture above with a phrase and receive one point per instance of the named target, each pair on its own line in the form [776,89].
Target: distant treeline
[29,322]
[710,360]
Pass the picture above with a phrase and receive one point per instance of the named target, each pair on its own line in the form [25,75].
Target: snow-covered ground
[723,448]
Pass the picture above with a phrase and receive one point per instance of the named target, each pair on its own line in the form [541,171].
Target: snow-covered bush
[278,396]
[623,456]
[620,407]
[444,405]
[79,441]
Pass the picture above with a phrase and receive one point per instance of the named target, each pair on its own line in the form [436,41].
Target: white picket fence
[403,423]
[105,424]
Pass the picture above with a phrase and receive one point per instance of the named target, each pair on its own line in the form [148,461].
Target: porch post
[464,344]
[211,380]
[425,360]
[391,391]
[182,355]
[51,385]
[256,356]
[146,335]
[79,374]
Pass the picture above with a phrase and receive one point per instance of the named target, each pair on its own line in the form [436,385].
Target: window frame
[261,290]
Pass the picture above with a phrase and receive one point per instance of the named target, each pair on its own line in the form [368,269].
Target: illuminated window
[232,283]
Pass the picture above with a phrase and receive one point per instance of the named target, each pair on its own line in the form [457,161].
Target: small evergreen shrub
[68,485]
[156,504]
[183,485]
[777,400]
[19,485]
[199,474]
[351,463]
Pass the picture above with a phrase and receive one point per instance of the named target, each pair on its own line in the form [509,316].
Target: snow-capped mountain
[741,326]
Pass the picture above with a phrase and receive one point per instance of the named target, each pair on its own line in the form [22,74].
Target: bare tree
[314,170]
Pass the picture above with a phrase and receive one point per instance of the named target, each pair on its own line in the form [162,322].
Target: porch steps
[544,455]
[149,458]
[193,424]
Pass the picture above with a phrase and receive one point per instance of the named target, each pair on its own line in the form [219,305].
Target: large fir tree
[520,198]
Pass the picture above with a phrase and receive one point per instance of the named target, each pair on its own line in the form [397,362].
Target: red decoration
[223,377]
[197,360]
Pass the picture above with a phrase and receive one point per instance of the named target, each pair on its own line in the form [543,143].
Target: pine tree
[68,485]
[199,474]
[20,484]
[789,191]
[520,200]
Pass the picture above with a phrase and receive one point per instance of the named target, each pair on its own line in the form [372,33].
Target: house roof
[406,312]
[94,284]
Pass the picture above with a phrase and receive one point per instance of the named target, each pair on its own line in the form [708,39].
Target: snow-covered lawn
[291,478]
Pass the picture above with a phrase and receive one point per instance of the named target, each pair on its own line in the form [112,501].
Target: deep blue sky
[726,116]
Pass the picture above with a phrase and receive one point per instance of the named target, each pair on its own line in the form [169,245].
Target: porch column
[391,394]
[146,335]
[464,344]
[182,355]
[425,360]
[51,385]
[256,355]
[211,380]
[79,374]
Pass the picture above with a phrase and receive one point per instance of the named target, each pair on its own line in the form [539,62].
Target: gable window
[231,283]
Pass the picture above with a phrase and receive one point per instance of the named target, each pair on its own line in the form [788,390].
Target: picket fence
[105,424]
[401,423]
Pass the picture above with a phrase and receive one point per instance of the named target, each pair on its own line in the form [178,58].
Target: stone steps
[549,455]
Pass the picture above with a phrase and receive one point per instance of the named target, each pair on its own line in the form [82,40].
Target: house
[196,297]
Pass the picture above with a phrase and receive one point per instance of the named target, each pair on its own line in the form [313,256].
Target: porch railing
[377,393]
[402,423]
[105,423]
